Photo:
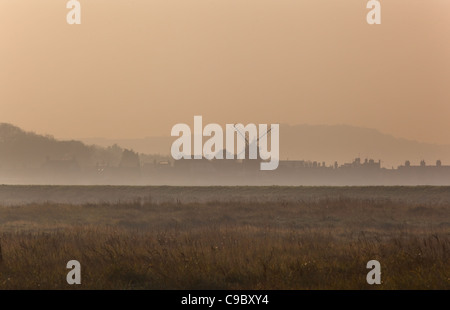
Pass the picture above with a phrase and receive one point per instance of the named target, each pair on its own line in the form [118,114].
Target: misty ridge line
[102,140]
[328,143]
[111,140]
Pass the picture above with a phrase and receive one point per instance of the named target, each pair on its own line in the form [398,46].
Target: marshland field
[224,237]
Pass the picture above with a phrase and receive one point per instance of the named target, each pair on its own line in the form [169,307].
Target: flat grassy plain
[224,238]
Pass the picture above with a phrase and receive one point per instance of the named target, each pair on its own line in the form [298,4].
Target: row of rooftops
[357,163]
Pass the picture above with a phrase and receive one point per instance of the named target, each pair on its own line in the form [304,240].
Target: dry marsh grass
[311,244]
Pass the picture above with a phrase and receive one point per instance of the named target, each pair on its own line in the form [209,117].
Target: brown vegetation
[312,244]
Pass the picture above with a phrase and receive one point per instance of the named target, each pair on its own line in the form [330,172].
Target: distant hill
[339,143]
[20,149]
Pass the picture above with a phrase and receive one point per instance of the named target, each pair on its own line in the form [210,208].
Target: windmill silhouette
[254,143]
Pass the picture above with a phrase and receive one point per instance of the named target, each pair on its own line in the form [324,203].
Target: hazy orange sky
[135,68]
